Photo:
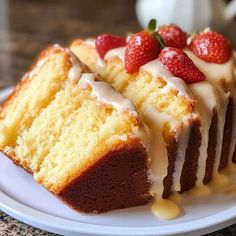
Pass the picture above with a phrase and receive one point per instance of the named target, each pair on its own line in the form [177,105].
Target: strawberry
[142,47]
[179,64]
[173,36]
[211,47]
[106,42]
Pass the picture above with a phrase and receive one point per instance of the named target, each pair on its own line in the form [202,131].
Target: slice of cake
[167,107]
[191,101]
[82,140]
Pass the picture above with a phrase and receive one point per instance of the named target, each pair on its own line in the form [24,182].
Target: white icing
[100,65]
[183,137]
[215,74]
[106,94]
[76,68]
[207,101]
[159,158]
[90,42]
[156,69]
[116,52]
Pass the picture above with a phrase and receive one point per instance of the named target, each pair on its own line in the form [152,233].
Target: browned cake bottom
[118,180]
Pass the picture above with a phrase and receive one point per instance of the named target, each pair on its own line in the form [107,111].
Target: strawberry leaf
[152,25]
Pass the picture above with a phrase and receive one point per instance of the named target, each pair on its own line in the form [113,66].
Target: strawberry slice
[179,64]
[173,36]
[106,42]
[211,47]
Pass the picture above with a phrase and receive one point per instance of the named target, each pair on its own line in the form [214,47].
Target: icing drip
[90,42]
[159,159]
[76,68]
[207,98]
[216,74]
[116,52]
[180,157]
[106,94]
[156,69]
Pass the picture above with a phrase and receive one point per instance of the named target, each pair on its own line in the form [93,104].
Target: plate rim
[57,224]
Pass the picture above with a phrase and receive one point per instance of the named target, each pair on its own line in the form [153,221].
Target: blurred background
[28,26]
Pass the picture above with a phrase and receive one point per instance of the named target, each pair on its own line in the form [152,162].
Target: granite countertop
[27,27]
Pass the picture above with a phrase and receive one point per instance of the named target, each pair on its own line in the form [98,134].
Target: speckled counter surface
[12,227]
[26,27]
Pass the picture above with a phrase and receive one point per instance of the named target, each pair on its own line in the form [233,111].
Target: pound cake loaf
[82,140]
[184,88]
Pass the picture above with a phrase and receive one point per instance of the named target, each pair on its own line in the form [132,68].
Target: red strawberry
[142,47]
[179,64]
[173,36]
[106,42]
[211,47]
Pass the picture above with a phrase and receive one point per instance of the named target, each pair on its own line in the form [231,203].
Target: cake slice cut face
[35,91]
[82,140]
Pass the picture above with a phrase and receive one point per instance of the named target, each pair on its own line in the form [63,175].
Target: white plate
[27,201]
